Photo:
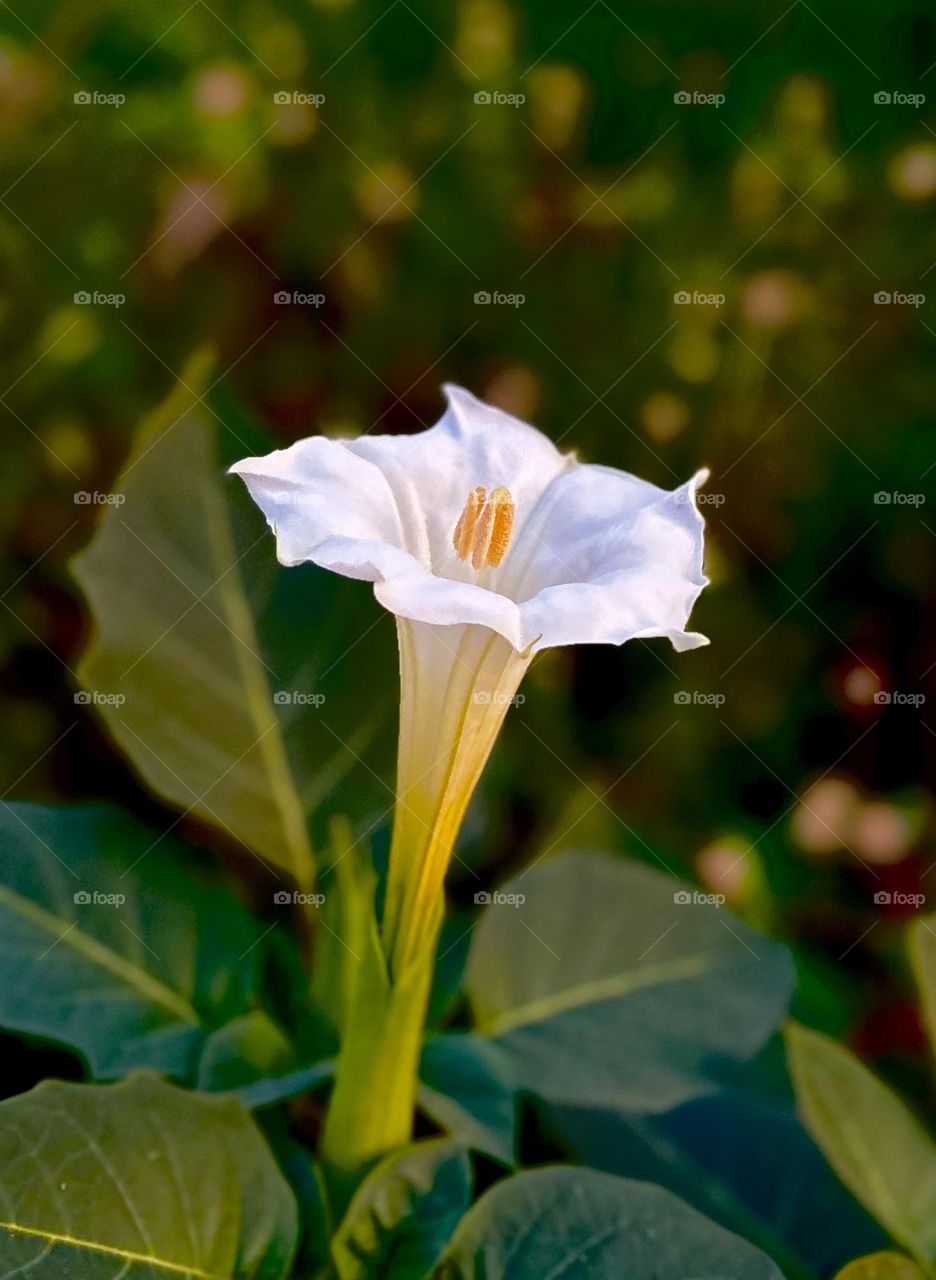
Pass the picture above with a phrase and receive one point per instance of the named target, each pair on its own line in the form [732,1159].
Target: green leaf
[345,923]
[141,1180]
[176,640]
[922,937]
[403,1213]
[709,1152]
[465,1087]
[270,1092]
[109,944]
[882,1266]
[874,1144]
[583,1225]
[658,1007]
[245,1050]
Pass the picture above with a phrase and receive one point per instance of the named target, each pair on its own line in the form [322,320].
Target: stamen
[484,529]
[463,536]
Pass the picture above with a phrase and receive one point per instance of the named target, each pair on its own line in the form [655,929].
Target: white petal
[424,597]
[432,472]
[329,505]
[616,559]
[598,556]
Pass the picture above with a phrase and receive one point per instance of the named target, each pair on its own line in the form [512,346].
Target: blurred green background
[168,170]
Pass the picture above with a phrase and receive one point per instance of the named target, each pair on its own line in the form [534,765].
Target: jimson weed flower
[488,544]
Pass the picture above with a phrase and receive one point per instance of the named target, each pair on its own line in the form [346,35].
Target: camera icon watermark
[886,898]
[494,98]
[888,97]
[496,899]
[683,298]
[296,97]
[84,498]
[489,298]
[290,897]
[94,698]
[896,698]
[898,498]
[489,698]
[91,98]
[683,98]
[92,898]
[296,298]
[695,698]
[88,298]
[892,298]
[705,498]
[693,898]
[298,698]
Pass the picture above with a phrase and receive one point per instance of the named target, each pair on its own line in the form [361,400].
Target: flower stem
[372,1106]
[456,685]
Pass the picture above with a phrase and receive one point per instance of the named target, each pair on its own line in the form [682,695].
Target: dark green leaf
[583,1225]
[465,1087]
[711,1152]
[108,943]
[658,1006]
[248,1049]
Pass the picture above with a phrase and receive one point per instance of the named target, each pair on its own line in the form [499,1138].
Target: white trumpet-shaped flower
[488,544]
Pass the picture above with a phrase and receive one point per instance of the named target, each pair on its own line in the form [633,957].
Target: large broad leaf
[177,643]
[139,1180]
[109,944]
[243,701]
[583,1225]
[745,1162]
[872,1141]
[403,1213]
[657,1005]
[882,1266]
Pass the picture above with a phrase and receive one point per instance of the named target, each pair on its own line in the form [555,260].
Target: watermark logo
[487,698]
[288,897]
[297,698]
[685,99]
[704,498]
[91,98]
[898,498]
[485,899]
[94,698]
[889,298]
[895,698]
[84,498]
[683,298]
[695,698]
[895,98]
[485,298]
[92,898]
[295,298]
[494,98]
[885,898]
[693,898]
[87,298]
[295,97]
